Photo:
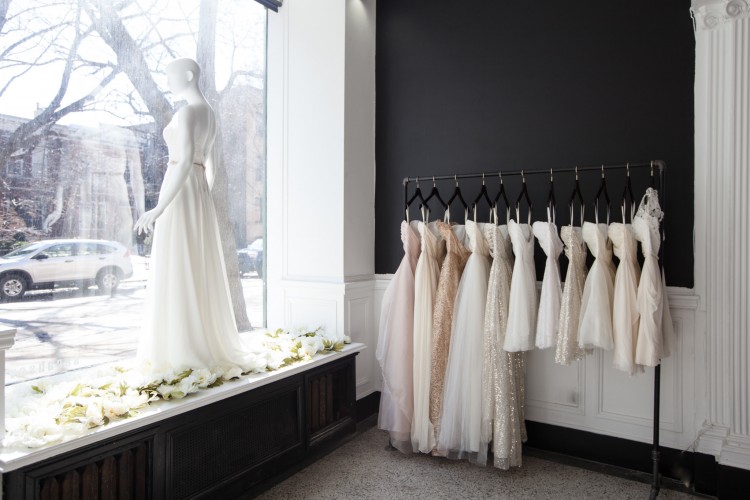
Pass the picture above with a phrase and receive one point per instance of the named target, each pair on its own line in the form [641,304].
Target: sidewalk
[71,329]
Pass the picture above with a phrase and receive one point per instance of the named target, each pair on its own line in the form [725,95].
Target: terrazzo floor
[364,468]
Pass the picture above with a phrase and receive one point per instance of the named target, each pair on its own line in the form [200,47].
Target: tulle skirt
[189,320]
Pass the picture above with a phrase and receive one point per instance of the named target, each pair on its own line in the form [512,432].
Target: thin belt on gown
[197,164]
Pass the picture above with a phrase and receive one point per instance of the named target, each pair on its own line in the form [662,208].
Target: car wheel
[12,287]
[108,280]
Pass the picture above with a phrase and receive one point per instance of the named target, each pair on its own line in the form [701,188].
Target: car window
[86,249]
[60,250]
[24,250]
[105,249]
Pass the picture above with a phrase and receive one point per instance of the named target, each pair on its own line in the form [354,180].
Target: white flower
[233,372]
[204,377]
[169,392]
[274,359]
[113,408]
[94,414]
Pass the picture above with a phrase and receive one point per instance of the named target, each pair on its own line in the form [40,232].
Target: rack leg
[655,454]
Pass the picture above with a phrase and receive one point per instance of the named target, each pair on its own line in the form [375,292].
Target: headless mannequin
[196,125]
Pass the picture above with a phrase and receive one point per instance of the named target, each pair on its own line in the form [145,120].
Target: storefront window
[83,102]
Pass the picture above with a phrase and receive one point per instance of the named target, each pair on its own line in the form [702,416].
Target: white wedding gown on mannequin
[189,320]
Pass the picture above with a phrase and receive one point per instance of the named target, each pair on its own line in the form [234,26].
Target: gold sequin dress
[425,287]
[502,372]
[445,298]
[568,349]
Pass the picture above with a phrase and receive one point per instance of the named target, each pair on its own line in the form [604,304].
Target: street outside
[64,330]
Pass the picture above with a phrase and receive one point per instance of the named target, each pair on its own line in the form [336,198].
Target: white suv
[50,263]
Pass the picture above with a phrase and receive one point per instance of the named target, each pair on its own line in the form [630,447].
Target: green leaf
[37,389]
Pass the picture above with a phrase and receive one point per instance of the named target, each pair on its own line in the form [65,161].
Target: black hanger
[501,194]
[483,194]
[524,194]
[457,194]
[627,193]
[417,195]
[602,190]
[435,194]
[551,202]
[653,178]
[576,194]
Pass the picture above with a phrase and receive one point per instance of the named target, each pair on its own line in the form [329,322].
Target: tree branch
[130,59]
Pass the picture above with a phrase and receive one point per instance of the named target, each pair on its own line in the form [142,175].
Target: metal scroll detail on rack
[628,167]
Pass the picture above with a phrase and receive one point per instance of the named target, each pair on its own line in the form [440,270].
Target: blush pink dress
[395,344]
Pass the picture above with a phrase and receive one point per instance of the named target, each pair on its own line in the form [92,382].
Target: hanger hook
[652,168]
[501,178]
[433,181]
[602,170]
[576,172]
[417,179]
[551,178]
[523,177]
[455,178]
[482,178]
[627,169]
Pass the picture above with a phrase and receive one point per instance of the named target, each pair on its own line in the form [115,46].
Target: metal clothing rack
[654,165]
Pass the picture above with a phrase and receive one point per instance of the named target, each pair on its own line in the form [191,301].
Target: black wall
[467,87]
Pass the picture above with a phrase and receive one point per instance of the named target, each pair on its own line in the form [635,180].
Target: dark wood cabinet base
[228,449]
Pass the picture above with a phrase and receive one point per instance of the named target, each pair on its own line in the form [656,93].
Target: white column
[7,339]
[722,216]
[321,170]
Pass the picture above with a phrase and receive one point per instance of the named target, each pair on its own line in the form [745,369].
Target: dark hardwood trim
[367,406]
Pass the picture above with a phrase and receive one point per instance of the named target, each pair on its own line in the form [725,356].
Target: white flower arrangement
[50,412]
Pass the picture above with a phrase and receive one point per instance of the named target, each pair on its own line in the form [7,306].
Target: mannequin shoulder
[196,114]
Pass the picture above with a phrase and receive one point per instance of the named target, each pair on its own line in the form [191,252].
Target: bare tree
[139,56]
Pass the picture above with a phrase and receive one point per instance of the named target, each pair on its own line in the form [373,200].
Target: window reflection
[83,102]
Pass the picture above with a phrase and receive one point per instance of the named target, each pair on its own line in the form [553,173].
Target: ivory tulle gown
[462,403]
[188,318]
[548,319]
[523,302]
[568,349]
[425,286]
[502,372]
[395,344]
[445,299]
[595,325]
[625,314]
[655,330]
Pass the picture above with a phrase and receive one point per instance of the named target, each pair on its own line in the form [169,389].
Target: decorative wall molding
[722,216]
[711,14]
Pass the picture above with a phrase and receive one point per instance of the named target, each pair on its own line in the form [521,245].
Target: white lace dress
[523,302]
[425,285]
[625,316]
[548,319]
[595,327]
[655,330]
[461,416]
